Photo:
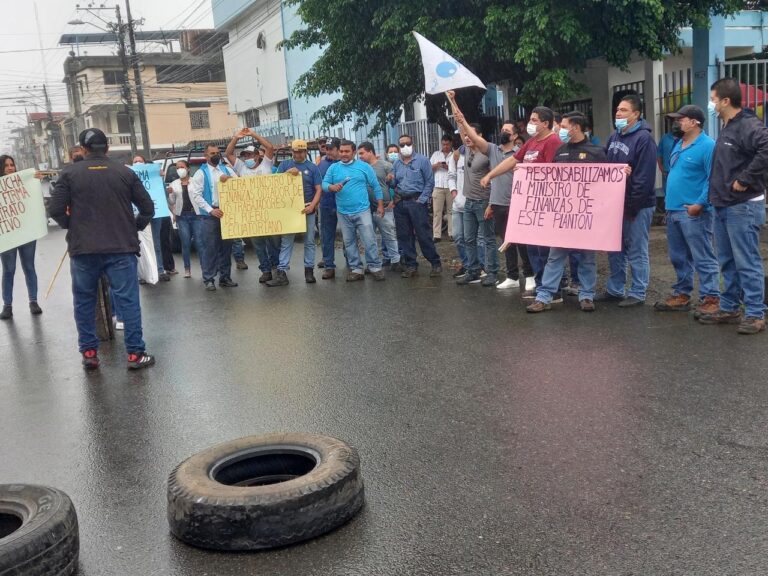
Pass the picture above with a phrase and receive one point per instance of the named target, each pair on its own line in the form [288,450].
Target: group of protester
[714,201]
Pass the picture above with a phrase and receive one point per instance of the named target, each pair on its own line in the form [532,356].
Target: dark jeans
[27,256]
[86,270]
[189,230]
[157,232]
[328,222]
[217,253]
[500,216]
[412,221]
[165,243]
[538,256]
[267,250]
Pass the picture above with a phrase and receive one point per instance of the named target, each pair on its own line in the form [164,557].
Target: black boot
[309,275]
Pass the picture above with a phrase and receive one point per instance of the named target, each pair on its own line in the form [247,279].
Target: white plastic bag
[147,261]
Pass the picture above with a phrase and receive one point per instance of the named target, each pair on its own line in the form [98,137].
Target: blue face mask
[621,123]
[564,136]
[711,108]
[392,156]
[250,163]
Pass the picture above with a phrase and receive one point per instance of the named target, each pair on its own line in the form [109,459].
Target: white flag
[442,71]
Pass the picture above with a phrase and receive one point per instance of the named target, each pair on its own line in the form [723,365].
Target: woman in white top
[184,214]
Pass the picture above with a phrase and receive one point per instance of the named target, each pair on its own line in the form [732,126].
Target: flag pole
[56,274]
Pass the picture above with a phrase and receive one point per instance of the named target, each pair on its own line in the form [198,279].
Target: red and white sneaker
[90,359]
[140,360]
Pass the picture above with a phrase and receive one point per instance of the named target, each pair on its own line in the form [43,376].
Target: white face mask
[532,129]
[406,151]
[182,172]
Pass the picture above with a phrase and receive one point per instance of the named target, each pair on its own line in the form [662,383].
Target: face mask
[564,136]
[516,148]
[406,151]
[182,172]
[392,156]
[506,137]
[531,129]
[77,158]
[711,108]
[677,130]
[214,160]
[250,163]
[621,123]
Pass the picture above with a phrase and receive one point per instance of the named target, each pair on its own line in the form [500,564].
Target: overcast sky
[25,65]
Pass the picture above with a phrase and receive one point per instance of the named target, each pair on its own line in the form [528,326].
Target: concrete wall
[169,124]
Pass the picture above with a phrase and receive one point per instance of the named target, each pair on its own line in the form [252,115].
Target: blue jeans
[27,256]
[691,249]
[480,235]
[553,273]
[412,221]
[217,253]
[634,242]
[538,255]
[267,249]
[458,237]
[352,226]
[328,222]
[121,270]
[189,230]
[386,227]
[286,247]
[737,237]
[157,224]
[238,250]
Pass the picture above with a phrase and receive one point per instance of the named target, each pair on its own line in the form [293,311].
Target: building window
[198,119]
[252,118]
[410,115]
[123,125]
[114,77]
[283,110]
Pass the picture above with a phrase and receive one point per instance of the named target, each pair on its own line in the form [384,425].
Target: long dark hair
[3,158]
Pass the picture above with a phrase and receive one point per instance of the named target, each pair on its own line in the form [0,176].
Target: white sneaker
[508,283]
[483,274]
[530,283]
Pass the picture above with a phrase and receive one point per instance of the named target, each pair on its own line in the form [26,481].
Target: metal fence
[675,90]
[753,77]
[426,136]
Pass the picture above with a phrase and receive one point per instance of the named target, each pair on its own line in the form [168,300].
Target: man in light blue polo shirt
[349,180]
[690,217]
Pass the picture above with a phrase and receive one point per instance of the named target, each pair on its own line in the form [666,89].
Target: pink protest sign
[568,206]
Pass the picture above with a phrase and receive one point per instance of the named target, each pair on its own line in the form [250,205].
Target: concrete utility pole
[139,88]
[54,127]
[126,86]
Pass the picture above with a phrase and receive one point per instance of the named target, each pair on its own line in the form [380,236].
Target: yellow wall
[169,124]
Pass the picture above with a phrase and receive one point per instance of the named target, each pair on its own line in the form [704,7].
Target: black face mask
[214,160]
[506,138]
[677,132]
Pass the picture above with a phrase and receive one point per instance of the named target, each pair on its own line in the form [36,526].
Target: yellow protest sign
[262,206]
[22,211]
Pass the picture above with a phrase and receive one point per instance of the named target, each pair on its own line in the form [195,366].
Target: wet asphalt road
[493,442]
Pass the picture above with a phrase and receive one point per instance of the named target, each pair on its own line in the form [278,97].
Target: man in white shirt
[441,194]
[204,193]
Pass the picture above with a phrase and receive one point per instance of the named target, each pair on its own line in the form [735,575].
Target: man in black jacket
[94,200]
[737,191]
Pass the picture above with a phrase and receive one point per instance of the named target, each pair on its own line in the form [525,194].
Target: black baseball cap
[332,143]
[689,111]
[93,138]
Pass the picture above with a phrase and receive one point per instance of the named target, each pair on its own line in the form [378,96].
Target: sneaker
[378,275]
[707,306]
[587,305]
[355,277]
[187,273]
[165,277]
[537,306]
[489,280]
[140,360]
[477,279]
[436,271]
[483,273]
[329,273]
[172,272]
[210,286]
[7,313]
[409,273]
[227,283]
[508,284]
[265,277]
[91,359]
[241,265]
[309,275]
[34,308]
[608,297]
[281,279]
[396,267]
[530,283]
[751,325]
[631,301]
[572,290]
[460,272]
[529,294]
[557,298]
[468,278]
[676,303]
[721,317]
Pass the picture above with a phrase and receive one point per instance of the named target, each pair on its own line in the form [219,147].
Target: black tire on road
[38,532]
[264,492]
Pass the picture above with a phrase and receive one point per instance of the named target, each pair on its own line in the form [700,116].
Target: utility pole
[139,88]
[54,127]
[73,66]
[126,86]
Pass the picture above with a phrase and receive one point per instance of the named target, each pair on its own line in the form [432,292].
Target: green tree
[372,58]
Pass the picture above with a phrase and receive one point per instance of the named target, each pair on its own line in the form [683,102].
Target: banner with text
[568,206]
[22,211]
[262,206]
[149,174]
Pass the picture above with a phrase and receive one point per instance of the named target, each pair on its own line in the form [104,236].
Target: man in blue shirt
[328,218]
[310,175]
[413,181]
[690,218]
[664,153]
[349,180]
